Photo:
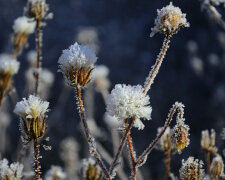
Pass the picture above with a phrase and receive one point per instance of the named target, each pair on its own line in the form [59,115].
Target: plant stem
[36,160]
[38,48]
[144,155]
[207,159]
[132,154]
[167,163]
[154,71]
[116,159]
[88,135]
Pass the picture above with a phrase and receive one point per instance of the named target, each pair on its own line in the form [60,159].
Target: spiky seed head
[169,20]
[91,171]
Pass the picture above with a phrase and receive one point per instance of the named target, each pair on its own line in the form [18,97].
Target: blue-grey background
[123,28]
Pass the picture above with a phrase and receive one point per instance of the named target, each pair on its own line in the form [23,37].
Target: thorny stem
[145,154]
[88,135]
[38,47]
[132,155]
[167,163]
[36,160]
[116,159]
[154,71]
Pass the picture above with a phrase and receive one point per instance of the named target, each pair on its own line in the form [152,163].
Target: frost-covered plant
[32,112]
[8,67]
[91,171]
[192,169]
[23,27]
[217,167]
[10,172]
[55,173]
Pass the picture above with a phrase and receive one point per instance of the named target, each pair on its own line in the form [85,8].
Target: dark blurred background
[193,71]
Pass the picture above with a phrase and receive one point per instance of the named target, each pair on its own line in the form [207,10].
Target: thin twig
[154,71]
[145,154]
[38,47]
[88,135]
[116,159]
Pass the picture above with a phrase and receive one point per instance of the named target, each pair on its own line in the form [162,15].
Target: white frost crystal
[127,101]
[12,171]
[32,107]
[8,65]
[24,25]
[169,20]
[192,169]
[55,172]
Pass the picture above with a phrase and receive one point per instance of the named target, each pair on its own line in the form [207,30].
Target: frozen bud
[10,172]
[91,171]
[192,169]
[55,173]
[127,101]
[169,20]
[217,166]
[208,141]
[164,143]
[76,64]
[180,135]
[37,9]
[32,112]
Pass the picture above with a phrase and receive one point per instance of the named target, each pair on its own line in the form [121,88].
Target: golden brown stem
[36,160]
[207,159]
[5,83]
[38,47]
[144,155]
[116,159]
[167,163]
[15,52]
[154,71]
[88,135]
[132,156]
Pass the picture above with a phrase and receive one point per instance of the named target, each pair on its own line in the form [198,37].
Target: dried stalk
[145,154]
[116,159]
[38,47]
[167,163]
[36,159]
[207,159]
[88,135]
[154,71]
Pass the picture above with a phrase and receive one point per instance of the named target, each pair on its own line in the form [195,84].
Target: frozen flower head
[32,112]
[217,166]
[192,169]
[8,65]
[169,20]
[55,173]
[91,171]
[164,143]
[180,134]
[208,141]
[37,9]
[127,101]
[10,172]
[76,64]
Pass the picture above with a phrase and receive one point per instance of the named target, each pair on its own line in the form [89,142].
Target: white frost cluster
[192,169]
[127,101]
[8,65]
[169,20]
[217,166]
[111,121]
[100,71]
[32,107]
[77,57]
[12,171]
[24,25]
[55,172]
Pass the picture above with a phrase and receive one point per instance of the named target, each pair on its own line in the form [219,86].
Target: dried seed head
[127,101]
[91,170]
[55,173]
[169,20]
[32,112]
[192,169]
[217,166]
[37,9]
[76,64]
[8,65]
[208,141]
[10,172]
[180,135]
